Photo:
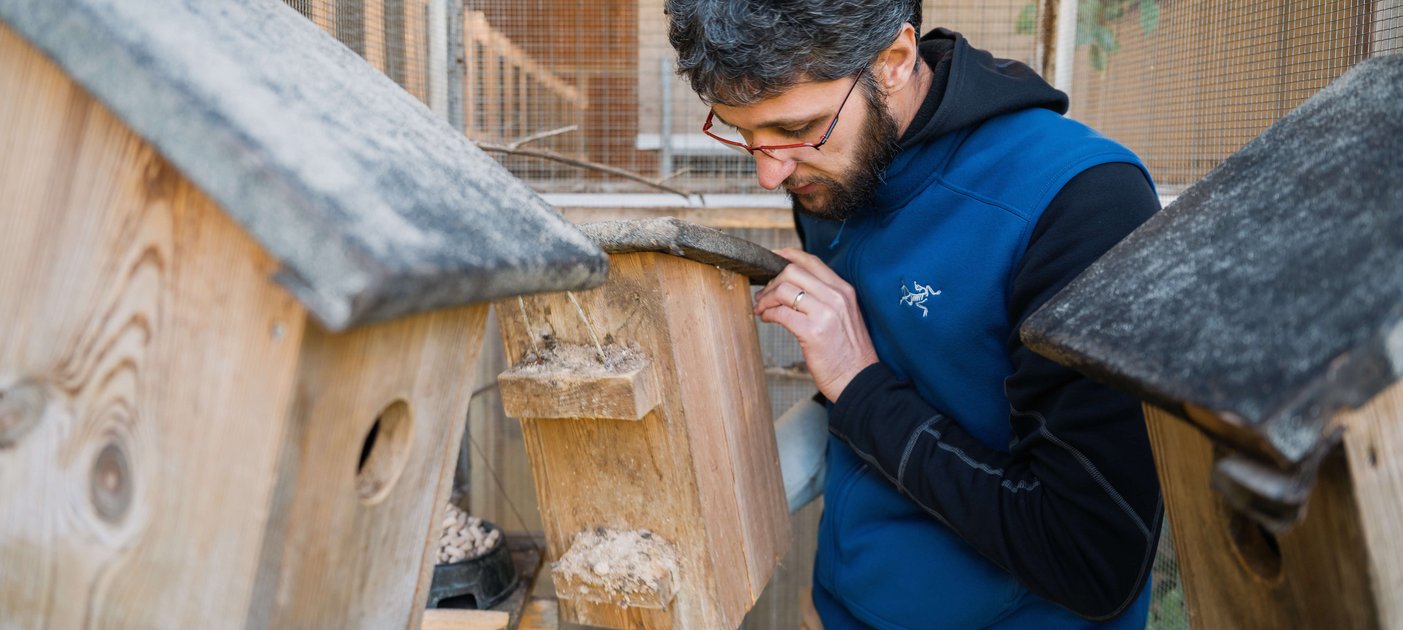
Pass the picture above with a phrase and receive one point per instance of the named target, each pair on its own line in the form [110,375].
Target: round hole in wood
[1257,549]
[384,452]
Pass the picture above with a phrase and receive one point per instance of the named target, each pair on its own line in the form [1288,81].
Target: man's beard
[876,149]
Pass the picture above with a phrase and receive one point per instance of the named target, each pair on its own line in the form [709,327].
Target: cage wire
[1184,83]
[393,35]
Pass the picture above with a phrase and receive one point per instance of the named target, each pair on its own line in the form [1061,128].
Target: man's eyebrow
[778,122]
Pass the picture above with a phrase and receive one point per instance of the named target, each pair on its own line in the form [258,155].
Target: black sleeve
[1073,509]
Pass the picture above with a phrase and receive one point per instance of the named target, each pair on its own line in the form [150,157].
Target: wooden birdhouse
[1261,318]
[646,419]
[242,278]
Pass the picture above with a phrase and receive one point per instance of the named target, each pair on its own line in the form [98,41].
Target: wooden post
[665,448]
[202,422]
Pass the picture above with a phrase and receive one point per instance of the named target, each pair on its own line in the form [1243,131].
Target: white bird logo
[918,297]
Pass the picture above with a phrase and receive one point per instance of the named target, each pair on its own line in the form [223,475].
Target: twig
[603,360]
[586,164]
[542,135]
[673,174]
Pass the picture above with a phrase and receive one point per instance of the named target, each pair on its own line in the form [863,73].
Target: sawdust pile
[623,567]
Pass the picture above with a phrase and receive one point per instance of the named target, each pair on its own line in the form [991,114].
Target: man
[941,198]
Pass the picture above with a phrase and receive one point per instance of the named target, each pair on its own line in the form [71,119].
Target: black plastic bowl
[479,582]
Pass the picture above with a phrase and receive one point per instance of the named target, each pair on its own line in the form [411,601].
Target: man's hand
[820,309]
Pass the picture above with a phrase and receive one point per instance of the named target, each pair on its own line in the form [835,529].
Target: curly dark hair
[738,52]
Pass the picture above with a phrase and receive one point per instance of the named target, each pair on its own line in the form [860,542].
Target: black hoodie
[1085,554]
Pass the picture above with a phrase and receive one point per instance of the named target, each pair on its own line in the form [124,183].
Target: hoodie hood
[970,86]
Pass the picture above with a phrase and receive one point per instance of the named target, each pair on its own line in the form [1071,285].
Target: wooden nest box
[647,422]
[1261,318]
[242,284]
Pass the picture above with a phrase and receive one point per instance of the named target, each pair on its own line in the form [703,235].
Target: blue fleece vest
[932,268]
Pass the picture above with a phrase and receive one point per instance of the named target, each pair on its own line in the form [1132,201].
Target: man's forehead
[801,103]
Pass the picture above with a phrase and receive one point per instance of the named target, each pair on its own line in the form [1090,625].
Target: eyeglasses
[737,142]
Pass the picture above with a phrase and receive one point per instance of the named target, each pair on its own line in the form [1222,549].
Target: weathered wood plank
[557,389]
[159,394]
[1374,442]
[441,619]
[1236,574]
[354,542]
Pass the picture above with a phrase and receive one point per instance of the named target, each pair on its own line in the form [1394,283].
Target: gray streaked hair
[737,52]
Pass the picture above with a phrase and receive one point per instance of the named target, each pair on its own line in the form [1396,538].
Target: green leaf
[1149,15]
[1115,10]
[1027,22]
[1106,39]
[1098,58]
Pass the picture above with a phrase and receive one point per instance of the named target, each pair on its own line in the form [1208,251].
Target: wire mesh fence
[1185,83]
[393,35]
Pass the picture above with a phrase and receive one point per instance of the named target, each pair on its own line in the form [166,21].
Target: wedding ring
[795,305]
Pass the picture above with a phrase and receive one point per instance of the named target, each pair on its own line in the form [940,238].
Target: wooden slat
[158,360]
[346,559]
[441,619]
[1374,441]
[557,392]
[1237,576]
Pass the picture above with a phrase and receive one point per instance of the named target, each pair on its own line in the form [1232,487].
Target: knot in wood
[21,407]
[111,483]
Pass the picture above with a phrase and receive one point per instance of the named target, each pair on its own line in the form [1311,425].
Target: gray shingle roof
[375,208]
[1271,292]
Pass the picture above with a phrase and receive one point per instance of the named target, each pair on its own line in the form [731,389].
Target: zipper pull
[837,237]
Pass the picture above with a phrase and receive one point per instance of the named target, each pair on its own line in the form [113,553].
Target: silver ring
[795,305]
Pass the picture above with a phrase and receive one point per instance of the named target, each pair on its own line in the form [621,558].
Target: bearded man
[941,197]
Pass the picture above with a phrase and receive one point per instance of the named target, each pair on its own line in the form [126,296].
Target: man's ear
[896,65]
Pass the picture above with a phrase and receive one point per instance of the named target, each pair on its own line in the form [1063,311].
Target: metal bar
[1066,45]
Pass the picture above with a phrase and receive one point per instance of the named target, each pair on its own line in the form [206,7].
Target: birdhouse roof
[375,208]
[1269,296]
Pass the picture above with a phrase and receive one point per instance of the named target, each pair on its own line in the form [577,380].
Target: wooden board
[440,619]
[554,391]
[1374,443]
[338,554]
[158,359]
[1234,574]
[694,471]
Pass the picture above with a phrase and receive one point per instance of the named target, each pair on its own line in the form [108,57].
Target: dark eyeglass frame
[770,148]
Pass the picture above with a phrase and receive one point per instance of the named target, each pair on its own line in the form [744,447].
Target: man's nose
[772,171]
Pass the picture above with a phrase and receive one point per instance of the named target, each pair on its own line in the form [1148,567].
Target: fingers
[786,287]
[783,294]
[812,264]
